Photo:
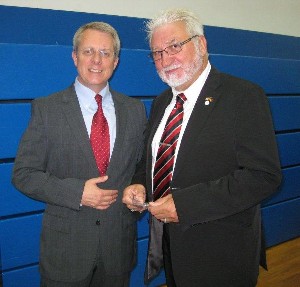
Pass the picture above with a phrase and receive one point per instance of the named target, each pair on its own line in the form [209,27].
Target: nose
[166,59]
[97,58]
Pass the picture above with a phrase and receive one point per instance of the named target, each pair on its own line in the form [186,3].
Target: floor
[283,265]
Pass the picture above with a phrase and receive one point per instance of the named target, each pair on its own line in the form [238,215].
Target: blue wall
[35,60]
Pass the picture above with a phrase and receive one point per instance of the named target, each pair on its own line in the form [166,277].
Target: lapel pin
[208,100]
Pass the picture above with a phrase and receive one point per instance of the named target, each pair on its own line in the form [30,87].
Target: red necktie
[100,138]
[163,168]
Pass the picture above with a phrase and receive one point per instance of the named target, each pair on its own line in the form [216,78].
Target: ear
[202,45]
[116,61]
[74,57]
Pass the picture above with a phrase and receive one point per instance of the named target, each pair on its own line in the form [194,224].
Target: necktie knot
[180,99]
[98,99]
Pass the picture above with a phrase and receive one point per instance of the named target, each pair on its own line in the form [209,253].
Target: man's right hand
[135,192]
[95,197]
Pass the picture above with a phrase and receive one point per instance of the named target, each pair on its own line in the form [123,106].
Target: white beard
[188,72]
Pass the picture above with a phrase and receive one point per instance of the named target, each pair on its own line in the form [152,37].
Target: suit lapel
[202,111]
[121,122]
[76,122]
[159,113]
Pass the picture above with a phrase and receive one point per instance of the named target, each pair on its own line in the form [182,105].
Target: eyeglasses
[90,52]
[170,50]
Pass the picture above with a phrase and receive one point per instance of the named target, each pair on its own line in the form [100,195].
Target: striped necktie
[100,138]
[163,168]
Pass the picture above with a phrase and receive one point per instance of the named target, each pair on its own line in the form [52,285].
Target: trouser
[97,278]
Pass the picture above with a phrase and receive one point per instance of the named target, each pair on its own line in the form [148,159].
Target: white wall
[272,16]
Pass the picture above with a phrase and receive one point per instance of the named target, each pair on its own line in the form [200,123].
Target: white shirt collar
[86,96]
[193,91]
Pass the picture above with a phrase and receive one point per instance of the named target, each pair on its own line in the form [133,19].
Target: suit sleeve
[31,175]
[256,176]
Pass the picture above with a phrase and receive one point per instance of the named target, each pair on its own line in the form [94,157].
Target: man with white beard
[210,159]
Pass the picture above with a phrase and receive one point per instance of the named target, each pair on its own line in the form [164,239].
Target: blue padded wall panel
[285,112]
[289,188]
[281,221]
[54,27]
[12,127]
[20,240]
[229,41]
[41,70]
[13,121]
[11,200]
[276,76]
[289,148]
[143,226]
[24,277]
[147,103]
[136,75]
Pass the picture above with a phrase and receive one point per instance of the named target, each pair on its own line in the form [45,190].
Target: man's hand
[96,197]
[135,193]
[164,209]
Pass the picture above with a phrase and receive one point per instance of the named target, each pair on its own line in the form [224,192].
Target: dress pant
[190,275]
[167,257]
[97,278]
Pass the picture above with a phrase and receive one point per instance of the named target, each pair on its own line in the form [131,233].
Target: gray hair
[193,23]
[101,27]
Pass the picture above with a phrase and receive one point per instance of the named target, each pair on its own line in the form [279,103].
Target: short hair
[193,23]
[102,27]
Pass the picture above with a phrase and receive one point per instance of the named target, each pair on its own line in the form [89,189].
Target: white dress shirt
[192,94]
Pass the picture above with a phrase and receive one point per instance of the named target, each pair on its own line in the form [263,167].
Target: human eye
[88,52]
[105,53]
[156,54]
[175,47]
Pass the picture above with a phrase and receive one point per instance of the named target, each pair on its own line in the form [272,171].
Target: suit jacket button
[98,222]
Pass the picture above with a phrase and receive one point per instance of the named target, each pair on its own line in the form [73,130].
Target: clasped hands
[163,208]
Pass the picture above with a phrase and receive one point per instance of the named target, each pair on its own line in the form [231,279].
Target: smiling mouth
[95,71]
[171,69]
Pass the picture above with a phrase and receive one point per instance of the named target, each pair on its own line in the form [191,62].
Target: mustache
[172,67]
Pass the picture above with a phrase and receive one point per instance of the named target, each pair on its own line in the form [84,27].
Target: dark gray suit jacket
[226,165]
[53,162]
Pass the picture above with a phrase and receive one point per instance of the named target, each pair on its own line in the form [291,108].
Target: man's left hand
[164,209]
